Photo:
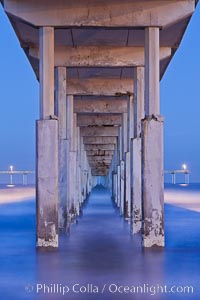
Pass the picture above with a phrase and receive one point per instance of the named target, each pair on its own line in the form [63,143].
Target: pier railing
[173,173]
[23,173]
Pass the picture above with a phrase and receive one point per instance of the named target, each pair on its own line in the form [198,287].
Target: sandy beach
[183,198]
[16,194]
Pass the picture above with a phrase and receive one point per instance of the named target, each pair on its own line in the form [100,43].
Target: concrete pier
[47,184]
[47,148]
[99,67]
[60,111]
[136,151]
[152,147]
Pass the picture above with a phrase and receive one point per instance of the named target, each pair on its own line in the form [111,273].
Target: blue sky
[180,102]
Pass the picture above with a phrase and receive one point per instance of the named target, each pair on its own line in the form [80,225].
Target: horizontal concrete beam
[100,158]
[100,169]
[99,131]
[100,106]
[100,14]
[99,119]
[100,147]
[105,162]
[99,173]
[108,56]
[99,152]
[100,86]
[99,140]
[100,165]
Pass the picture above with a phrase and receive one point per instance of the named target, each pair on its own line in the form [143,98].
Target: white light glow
[184,166]
[11,168]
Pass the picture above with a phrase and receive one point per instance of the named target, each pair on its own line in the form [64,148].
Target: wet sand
[16,194]
[183,197]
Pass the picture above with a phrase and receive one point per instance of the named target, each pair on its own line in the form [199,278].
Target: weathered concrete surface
[47,184]
[99,140]
[63,146]
[105,106]
[60,100]
[136,186]
[100,158]
[100,86]
[152,181]
[63,143]
[152,71]
[100,147]
[115,191]
[99,152]
[78,170]
[127,200]
[99,131]
[138,100]
[70,121]
[122,173]
[136,156]
[70,13]
[46,44]
[98,119]
[72,192]
[118,186]
[99,56]
[124,134]
[130,121]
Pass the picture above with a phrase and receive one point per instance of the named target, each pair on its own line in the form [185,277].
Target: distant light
[11,168]
[184,166]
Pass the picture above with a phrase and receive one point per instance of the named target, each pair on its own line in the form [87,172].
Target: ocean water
[100,252]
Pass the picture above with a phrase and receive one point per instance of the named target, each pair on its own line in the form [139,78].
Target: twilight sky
[180,102]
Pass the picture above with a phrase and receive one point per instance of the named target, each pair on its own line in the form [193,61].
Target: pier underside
[99,64]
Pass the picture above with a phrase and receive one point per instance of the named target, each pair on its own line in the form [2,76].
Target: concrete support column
[86,170]
[152,147]
[89,180]
[60,111]
[152,71]
[119,158]
[79,196]
[127,201]
[71,159]
[136,163]
[46,51]
[47,148]
[124,135]
[75,150]
[125,167]
[114,178]
[118,185]
[128,159]
[83,175]
[121,164]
